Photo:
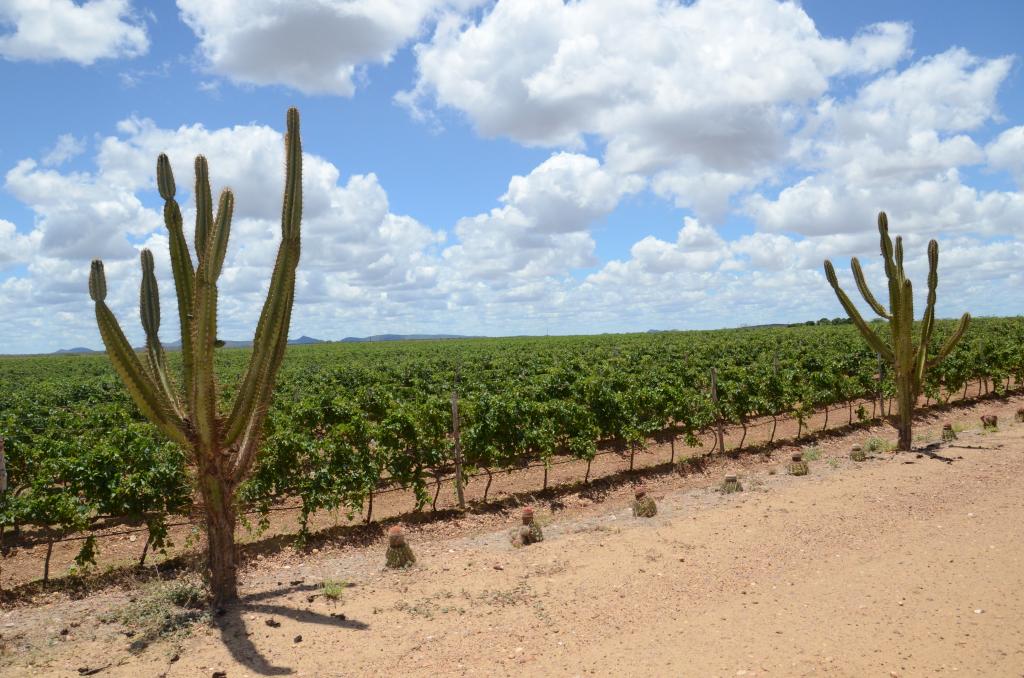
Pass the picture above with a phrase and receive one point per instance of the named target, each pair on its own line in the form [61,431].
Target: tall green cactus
[223,447]
[909,361]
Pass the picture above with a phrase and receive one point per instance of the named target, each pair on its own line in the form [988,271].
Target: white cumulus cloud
[543,228]
[314,46]
[49,30]
[704,92]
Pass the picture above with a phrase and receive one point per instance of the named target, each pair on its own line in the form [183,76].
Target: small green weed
[879,445]
[812,453]
[333,588]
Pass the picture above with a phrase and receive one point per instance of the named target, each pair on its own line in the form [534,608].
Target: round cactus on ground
[399,554]
[948,434]
[1019,417]
[989,421]
[643,504]
[731,484]
[529,532]
[798,467]
[857,453]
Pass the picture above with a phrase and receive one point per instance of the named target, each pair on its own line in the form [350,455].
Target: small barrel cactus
[731,484]
[1019,417]
[798,467]
[522,536]
[857,453]
[989,421]
[643,504]
[948,434]
[399,554]
[529,532]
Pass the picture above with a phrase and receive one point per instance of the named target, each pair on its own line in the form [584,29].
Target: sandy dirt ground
[902,565]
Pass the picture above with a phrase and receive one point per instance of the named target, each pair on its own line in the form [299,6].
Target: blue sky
[513,167]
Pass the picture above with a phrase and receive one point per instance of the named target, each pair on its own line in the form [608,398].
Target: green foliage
[347,418]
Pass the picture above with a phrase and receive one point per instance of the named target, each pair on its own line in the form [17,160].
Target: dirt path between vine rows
[903,565]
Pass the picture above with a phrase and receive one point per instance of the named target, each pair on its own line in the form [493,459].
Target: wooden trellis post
[458,450]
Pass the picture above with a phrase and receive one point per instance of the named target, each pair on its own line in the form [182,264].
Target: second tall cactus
[909,359]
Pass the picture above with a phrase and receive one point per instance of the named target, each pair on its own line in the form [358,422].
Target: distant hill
[176,345]
[404,337]
[303,340]
[228,343]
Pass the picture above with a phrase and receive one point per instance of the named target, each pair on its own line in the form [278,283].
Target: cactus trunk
[908,359]
[905,400]
[221,554]
[223,448]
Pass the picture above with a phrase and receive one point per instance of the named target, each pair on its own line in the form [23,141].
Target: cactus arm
[892,272]
[865,291]
[906,361]
[291,208]
[204,207]
[141,386]
[217,246]
[870,335]
[181,264]
[203,400]
[254,426]
[928,324]
[149,308]
[272,329]
[908,305]
[268,347]
[246,449]
[886,244]
[951,342]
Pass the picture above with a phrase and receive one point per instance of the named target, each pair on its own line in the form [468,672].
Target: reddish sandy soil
[905,565]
